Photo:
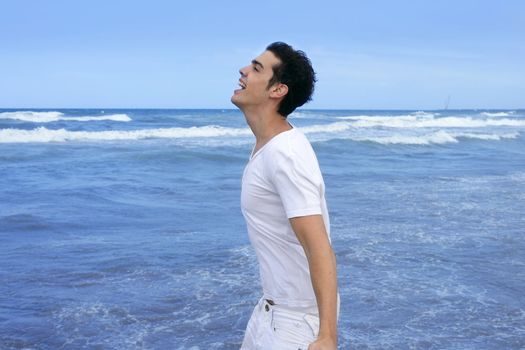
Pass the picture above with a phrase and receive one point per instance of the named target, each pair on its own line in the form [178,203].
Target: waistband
[269,304]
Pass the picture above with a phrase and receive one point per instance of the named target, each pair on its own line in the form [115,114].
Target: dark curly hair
[296,72]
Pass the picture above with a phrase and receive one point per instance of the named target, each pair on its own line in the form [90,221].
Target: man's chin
[235,100]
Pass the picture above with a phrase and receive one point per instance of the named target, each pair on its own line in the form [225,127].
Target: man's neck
[265,125]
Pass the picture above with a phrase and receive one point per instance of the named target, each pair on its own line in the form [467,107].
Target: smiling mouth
[242,84]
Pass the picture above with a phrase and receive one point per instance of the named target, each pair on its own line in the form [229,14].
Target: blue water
[121,229]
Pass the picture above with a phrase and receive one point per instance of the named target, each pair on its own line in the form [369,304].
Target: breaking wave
[48,117]
[428,121]
[498,114]
[338,130]
[439,137]
[43,134]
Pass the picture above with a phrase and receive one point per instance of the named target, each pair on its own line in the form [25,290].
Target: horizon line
[298,109]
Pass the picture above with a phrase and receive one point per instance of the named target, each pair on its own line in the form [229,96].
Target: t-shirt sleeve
[299,185]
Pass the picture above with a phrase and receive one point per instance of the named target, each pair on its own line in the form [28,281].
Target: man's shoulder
[292,148]
[292,140]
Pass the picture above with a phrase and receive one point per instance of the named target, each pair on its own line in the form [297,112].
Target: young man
[284,206]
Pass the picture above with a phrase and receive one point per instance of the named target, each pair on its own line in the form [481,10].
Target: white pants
[275,327]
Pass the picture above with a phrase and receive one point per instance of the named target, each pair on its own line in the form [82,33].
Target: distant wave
[326,128]
[43,134]
[47,117]
[300,115]
[338,130]
[425,114]
[498,114]
[428,121]
[438,137]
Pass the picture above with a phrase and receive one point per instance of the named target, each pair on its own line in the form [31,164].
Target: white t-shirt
[281,181]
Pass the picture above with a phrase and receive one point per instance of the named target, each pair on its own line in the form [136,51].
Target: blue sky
[186,54]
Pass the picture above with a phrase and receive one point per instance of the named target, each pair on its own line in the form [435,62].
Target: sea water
[121,229]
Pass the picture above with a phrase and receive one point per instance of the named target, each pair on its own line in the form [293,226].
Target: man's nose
[243,71]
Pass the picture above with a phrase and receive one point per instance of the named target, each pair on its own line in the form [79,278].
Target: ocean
[121,228]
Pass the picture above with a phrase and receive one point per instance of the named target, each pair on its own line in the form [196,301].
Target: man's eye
[255,68]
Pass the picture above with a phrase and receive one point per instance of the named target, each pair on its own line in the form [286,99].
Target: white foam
[498,114]
[439,137]
[43,134]
[412,121]
[326,128]
[201,135]
[112,117]
[490,137]
[425,114]
[299,115]
[39,117]
[47,117]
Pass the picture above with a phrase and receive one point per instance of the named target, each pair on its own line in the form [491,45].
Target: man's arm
[312,235]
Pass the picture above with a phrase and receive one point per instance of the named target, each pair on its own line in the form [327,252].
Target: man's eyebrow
[257,63]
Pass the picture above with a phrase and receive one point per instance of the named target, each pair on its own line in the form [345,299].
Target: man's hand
[311,233]
[323,344]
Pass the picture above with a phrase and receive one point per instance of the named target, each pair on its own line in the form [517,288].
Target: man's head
[294,71]
[280,75]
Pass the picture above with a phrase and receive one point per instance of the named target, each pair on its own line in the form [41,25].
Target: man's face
[254,81]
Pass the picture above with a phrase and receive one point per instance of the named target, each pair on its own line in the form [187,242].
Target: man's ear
[279,90]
